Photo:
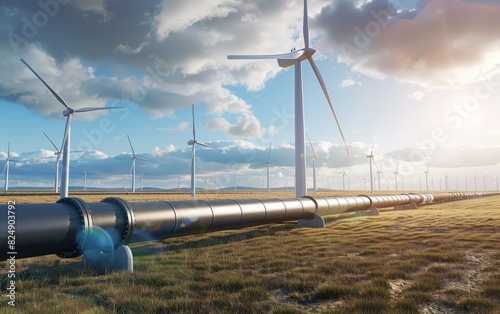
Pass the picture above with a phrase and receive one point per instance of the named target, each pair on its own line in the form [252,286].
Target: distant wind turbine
[370,158]
[132,169]
[396,175]
[343,180]
[194,142]
[269,164]
[313,161]
[85,180]
[445,180]
[295,57]
[6,168]
[427,178]
[379,172]
[65,146]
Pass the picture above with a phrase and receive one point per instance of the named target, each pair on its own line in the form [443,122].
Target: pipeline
[71,226]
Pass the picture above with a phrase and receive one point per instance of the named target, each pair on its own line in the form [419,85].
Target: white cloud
[245,126]
[417,95]
[348,82]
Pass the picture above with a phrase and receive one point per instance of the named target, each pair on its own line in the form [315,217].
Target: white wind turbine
[370,158]
[6,168]
[65,147]
[84,180]
[269,164]
[132,169]
[194,142]
[396,175]
[313,161]
[427,178]
[58,157]
[295,58]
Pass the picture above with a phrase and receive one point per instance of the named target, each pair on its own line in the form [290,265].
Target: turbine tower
[269,163]
[85,180]
[58,157]
[445,181]
[65,147]
[370,158]
[313,161]
[295,57]
[6,168]
[396,175]
[132,169]
[427,178]
[194,142]
[379,172]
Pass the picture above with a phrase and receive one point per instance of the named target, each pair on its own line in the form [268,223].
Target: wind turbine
[194,142]
[343,179]
[379,172]
[58,157]
[65,146]
[396,175]
[295,57]
[84,180]
[6,168]
[370,158]
[445,180]
[132,169]
[269,163]
[313,159]
[427,177]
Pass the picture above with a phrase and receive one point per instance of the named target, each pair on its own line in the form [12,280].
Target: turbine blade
[133,152]
[312,147]
[373,145]
[208,146]
[194,126]
[132,168]
[289,55]
[51,142]
[277,166]
[68,123]
[56,95]
[269,155]
[8,152]
[325,91]
[87,109]
[4,168]
[305,26]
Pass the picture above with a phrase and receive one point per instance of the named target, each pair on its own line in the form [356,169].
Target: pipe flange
[84,234]
[369,198]
[314,201]
[128,213]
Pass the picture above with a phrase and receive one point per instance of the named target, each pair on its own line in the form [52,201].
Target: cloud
[348,82]
[245,126]
[417,95]
[441,44]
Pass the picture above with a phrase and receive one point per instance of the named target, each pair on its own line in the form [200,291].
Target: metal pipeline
[71,226]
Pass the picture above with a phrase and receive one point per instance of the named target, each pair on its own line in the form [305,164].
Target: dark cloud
[440,43]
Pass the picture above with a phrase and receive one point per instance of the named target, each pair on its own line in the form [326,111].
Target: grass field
[442,258]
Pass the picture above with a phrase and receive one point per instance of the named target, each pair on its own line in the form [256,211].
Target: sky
[419,81]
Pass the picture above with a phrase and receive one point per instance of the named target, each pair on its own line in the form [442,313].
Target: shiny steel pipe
[71,226]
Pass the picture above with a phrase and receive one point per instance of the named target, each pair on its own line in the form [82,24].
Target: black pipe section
[71,226]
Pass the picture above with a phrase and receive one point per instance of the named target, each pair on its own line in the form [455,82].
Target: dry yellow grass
[441,258]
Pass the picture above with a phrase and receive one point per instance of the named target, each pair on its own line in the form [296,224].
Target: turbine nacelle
[308,52]
[68,111]
[191,142]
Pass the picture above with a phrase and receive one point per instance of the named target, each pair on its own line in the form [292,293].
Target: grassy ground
[442,258]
